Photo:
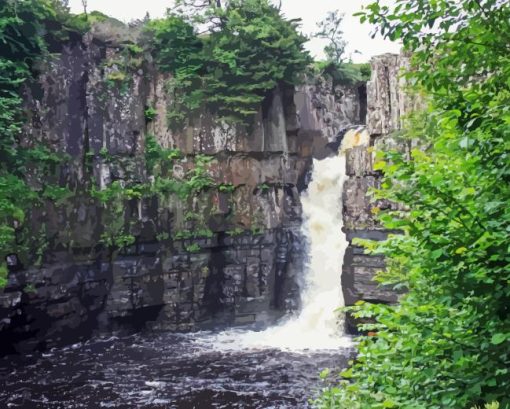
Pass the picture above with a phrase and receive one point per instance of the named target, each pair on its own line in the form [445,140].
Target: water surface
[232,369]
[163,371]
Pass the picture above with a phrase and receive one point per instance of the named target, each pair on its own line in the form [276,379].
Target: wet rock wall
[90,103]
[387,105]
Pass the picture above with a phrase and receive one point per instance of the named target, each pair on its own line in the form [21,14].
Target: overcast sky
[356,34]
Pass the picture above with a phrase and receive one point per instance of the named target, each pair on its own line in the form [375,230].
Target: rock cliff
[230,255]
[387,105]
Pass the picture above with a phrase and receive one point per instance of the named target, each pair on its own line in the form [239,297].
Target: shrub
[446,343]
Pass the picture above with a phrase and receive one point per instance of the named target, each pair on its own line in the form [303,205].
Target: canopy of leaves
[229,71]
[447,343]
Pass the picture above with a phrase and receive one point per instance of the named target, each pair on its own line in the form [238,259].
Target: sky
[311,12]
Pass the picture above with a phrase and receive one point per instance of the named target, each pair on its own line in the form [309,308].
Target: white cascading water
[317,326]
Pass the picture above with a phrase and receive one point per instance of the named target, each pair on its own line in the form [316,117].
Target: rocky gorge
[230,255]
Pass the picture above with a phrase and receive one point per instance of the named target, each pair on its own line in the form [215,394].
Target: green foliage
[493,405]
[189,216]
[226,188]
[264,187]
[178,50]
[153,153]
[256,230]
[205,232]
[41,246]
[103,152]
[164,236]
[22,31]
[176,45]
[116,76]
[199,230]
[335,66]
[83,22]
[237,231]
[231,70]
[193,248]
[345,73]
[120,71]
[159,161]
[30,289]
[196,234]
[15,199]
[182,235]
[159,165]
[113,198]
[118,80]
[150,113]
[198,178]
[3,274]
[119,241]
[134,49]
[27,29]
[96,17]
[30,30]
[447,343]
[451,34]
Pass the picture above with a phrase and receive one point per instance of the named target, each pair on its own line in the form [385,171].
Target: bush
[344,73]
[447,342]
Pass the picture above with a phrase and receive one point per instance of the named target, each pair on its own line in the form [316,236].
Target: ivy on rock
[28,28]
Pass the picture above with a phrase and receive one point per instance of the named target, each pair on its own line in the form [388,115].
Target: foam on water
[317,326]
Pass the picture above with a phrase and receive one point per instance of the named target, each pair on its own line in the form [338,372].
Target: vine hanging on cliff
[25,38]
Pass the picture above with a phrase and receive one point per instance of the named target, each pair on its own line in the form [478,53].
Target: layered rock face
[91,104]
[387,103]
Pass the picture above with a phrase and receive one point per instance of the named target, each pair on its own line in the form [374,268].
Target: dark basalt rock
[91,107]
[85,105]
[386,105]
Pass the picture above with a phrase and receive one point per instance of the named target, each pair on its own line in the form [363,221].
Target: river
[238,368]
[163,371]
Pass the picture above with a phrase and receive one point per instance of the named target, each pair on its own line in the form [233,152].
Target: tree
[330,29]
[447,343]
[197,4]
[249,50]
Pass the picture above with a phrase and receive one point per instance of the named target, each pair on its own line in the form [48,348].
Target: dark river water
[164,371]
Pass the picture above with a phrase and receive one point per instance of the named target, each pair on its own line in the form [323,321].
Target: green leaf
[324,373]
[499,338]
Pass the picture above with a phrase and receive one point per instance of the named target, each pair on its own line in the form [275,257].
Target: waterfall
[318,325]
